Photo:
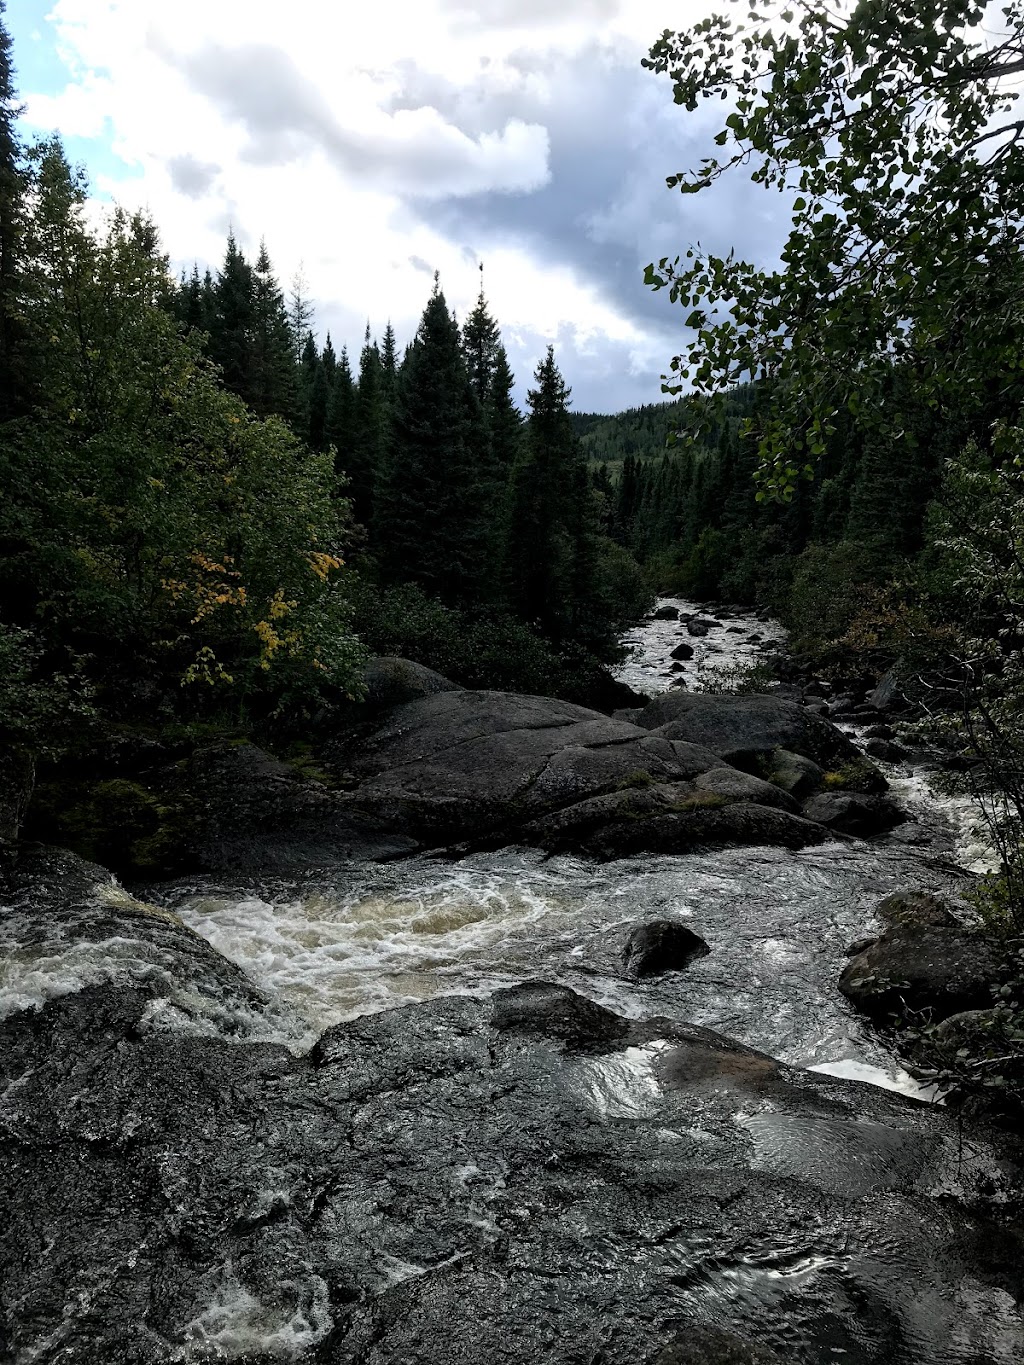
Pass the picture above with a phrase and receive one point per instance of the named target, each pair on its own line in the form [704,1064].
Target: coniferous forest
[211,514]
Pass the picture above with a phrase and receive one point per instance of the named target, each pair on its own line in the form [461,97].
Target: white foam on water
[721,651]
[973,847]
[332,959]
[235,1322]
[891,1078]
[31,976]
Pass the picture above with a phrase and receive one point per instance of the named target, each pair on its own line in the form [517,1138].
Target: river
[367,938]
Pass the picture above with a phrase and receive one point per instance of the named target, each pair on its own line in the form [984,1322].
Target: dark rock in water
[698,629]
[924,960]
[676,668]
[879,732]
[854,812]
[741,786]
[665,614]
[669,818]
[543,1009]
[736,630]
[390,681]
[886,750]
[742,729]
[795,774]
[663,945]
[682,651]
[472,1182]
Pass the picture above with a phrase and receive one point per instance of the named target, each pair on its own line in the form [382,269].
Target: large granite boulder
[854,812]
[463,764]
[390,681]
[529,1177]
[925,959]
[744,729]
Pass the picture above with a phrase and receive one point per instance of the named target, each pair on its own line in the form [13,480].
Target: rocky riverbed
[453,1106]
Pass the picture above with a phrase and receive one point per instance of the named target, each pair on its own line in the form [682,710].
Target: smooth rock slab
[460,764]
[520,1179]
[530,1177]
[745,727]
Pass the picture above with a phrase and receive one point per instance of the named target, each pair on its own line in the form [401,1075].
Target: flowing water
[368,938]
[364,938]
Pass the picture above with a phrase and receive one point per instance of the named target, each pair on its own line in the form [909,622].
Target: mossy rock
[856,775]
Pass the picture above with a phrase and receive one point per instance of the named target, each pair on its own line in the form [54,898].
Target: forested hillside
[211,515]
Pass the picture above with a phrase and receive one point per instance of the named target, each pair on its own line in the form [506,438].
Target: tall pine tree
[231,340]
[432,525]
[550,559]
[273,385]
[13,356]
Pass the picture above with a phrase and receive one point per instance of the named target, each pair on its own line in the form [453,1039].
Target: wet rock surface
[524,1177]
[740,728]
[854,812]
[925,959]
[663,945]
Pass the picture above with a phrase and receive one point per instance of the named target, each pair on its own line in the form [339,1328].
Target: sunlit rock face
[524,1176]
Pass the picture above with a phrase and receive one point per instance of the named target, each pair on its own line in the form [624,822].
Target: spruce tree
[369,432]
[481,340]
[432,522]
[300,313]
[388,366]
[13,356]
[330,360]
[319,397]
[550,551]
[231,340]
[341,416]
[189,302]
[273,384]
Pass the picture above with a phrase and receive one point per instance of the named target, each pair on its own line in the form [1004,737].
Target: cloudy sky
[371,144]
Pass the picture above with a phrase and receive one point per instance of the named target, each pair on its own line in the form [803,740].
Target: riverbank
[307,1105]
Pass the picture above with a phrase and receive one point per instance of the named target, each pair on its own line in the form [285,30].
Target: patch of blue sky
[38,66]
[101,162]
[40,70]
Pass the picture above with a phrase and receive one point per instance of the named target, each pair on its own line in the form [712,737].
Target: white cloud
[296,123]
